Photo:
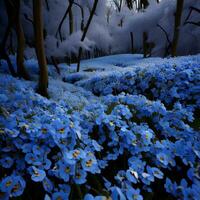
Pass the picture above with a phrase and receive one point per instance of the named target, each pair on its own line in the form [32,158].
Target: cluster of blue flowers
[167,82]
[141,140]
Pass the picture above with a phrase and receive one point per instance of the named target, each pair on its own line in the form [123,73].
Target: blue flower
[47,185]
[61,129]
[73,156]
[7,184]
[12,132]
[133,194]
[13,185]
[90,163]
[117,193]
[155,171]
[190,194]
[6,162]
[59,195]
[132,176]
[170,187]
[91,197]
[88,197]
[65,170]
[147,178]
[33,159]
[65,188]
[38,175]
[162,157]
[147,135]
[80,177]
[47,197]
[18,187]
[96,146]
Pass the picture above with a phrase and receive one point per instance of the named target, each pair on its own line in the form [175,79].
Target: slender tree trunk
[85,32]
[145,3]
[132,43]
[54,62]
[39,47]
[20,45]
[71,19]
[13,12]
[3,54]
[129,4]
[178,14]
[145,38]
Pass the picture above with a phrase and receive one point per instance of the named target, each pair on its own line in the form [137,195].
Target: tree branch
[63,19]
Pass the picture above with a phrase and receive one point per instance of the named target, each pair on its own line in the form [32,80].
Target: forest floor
[138,117]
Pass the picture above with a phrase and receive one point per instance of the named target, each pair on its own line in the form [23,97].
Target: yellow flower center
[36,173]
[78,175]
[61,131]
[76,153]
[2,131]
[89,163]
[161,158]
[67,169]
[44,130]
[111,123]
[8,183]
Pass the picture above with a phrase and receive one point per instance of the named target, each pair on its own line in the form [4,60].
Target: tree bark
[132,43]
[20,45]
[71,20]
[145,38]
[178,14]
[3,54]
[129,4]
[13,12]
[85,32]
[39,47]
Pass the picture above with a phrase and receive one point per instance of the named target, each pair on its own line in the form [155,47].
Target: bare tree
[71,19]
[39,47]
[85,31]
[147,46]
[63,19]
[129,4]
[3,54]
[178,14]
[82,15]
[187,21]
[13,12]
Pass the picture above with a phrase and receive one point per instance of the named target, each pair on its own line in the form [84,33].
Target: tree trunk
[3,54]
[39,48]
[71,20]
[145,39]
[129,4]
[132,43]
[20,45]
[178,14]
[145,3]
[13,12]
[85,32]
